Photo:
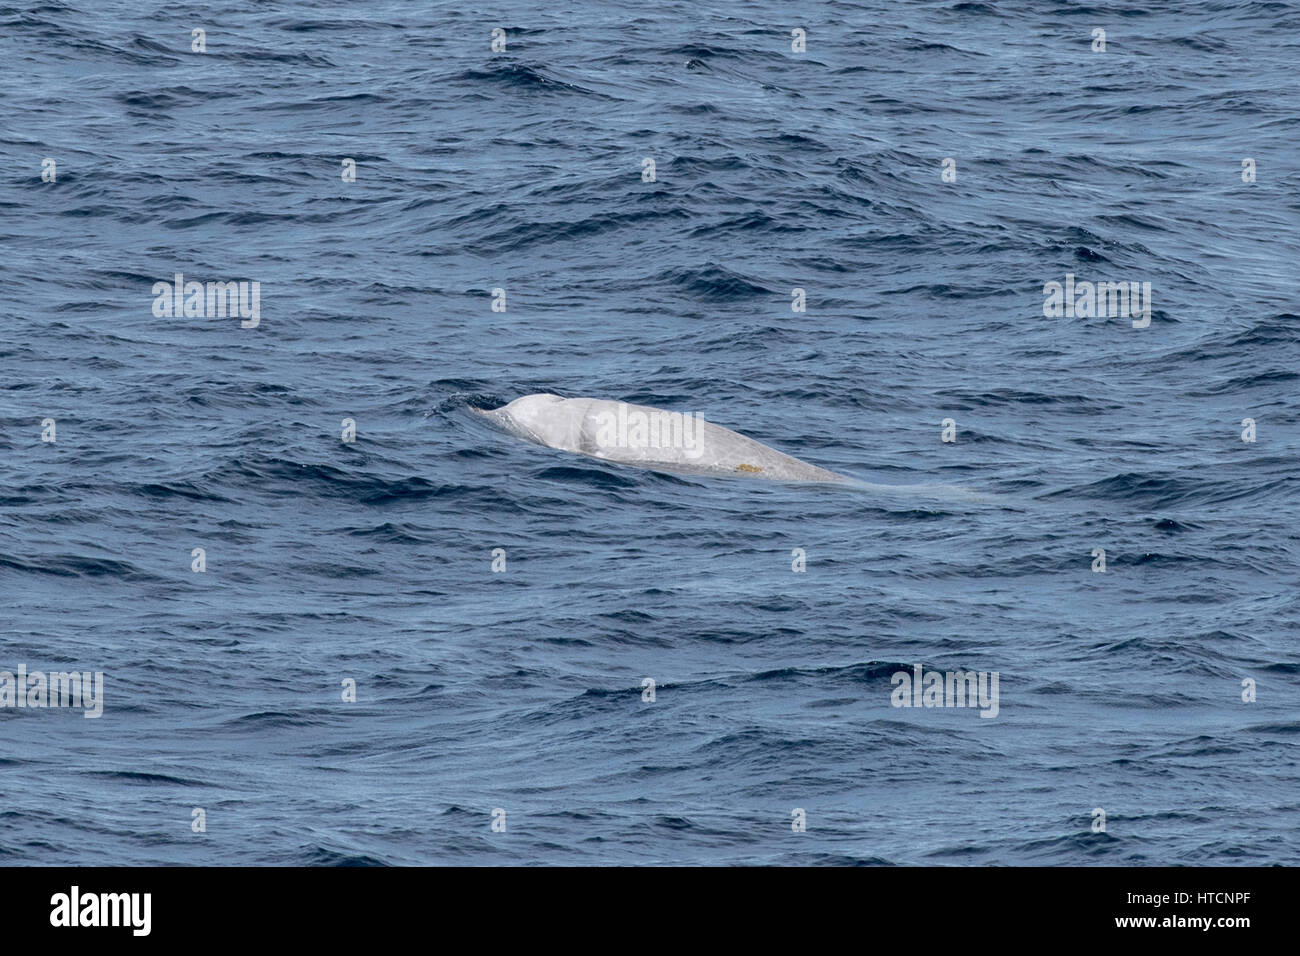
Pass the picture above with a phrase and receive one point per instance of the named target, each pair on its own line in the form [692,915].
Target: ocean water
[518,695]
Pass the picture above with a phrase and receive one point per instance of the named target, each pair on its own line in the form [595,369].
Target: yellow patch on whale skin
[750,469]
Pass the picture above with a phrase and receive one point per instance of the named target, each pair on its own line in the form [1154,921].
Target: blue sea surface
[518,695]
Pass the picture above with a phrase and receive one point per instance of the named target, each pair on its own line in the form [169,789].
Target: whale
[642,436]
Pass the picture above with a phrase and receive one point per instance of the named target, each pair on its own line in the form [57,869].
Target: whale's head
[538,417]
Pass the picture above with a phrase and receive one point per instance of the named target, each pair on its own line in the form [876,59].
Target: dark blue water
[521,170]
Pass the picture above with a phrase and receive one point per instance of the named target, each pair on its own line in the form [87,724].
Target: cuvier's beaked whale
[647,437]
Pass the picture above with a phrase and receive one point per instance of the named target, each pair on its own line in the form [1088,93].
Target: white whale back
[635,435]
